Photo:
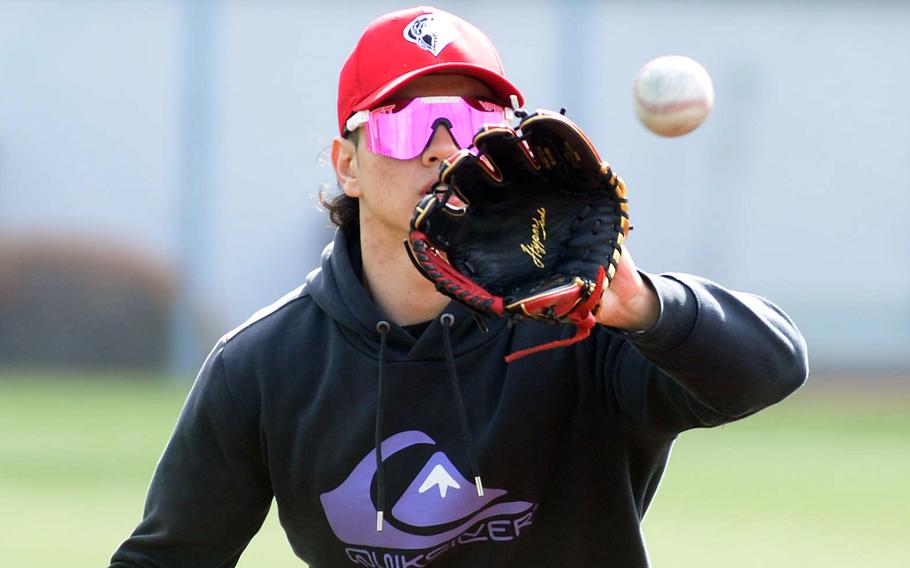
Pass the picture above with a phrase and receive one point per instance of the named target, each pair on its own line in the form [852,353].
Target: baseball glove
[527,224]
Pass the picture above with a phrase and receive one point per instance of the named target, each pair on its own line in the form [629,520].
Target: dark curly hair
[344,211]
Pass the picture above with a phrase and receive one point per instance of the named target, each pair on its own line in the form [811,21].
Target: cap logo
[430,33]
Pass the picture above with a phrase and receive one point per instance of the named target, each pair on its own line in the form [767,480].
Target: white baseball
[673,95]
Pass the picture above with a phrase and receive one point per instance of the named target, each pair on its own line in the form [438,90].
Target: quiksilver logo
[432,32]
[438,511]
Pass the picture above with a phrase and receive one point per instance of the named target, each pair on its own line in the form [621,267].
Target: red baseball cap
[400,46]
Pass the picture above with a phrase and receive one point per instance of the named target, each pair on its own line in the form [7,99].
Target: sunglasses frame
[362,117]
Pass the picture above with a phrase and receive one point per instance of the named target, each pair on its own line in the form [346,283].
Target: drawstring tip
[378,521]
[479,485]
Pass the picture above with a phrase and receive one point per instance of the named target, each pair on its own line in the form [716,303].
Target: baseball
[673,95]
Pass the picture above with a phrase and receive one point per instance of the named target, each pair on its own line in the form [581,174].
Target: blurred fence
[795,188]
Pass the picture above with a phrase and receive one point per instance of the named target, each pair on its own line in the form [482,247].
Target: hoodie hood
[337,288]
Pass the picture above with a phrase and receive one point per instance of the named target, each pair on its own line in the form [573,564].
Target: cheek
[391,180]
[382,183]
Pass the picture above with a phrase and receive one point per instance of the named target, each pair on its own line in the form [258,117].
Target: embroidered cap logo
[430,32]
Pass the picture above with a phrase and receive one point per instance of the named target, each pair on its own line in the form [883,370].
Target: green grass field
[820,480]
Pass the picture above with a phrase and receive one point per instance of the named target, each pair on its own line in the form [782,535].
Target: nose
[441,146]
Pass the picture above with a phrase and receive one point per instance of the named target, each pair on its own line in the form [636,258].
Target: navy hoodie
[569,444]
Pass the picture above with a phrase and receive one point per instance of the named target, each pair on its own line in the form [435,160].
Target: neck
[397,288]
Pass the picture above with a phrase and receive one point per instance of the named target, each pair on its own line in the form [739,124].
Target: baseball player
[381,414]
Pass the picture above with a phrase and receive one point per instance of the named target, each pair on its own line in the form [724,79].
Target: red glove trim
[582,317]
[444,275]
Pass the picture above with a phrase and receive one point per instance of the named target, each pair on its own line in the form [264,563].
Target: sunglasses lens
[403,130]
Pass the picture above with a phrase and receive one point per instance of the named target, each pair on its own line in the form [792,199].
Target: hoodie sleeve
[713,356]
[210,492]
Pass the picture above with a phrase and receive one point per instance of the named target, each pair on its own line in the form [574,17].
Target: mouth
[453,202]
[425,188]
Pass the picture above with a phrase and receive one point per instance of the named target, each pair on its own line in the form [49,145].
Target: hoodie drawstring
[383,328]
[448,320]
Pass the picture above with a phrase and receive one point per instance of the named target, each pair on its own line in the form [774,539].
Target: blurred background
[160,165]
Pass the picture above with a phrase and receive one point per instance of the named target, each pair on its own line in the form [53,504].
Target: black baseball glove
[527,224]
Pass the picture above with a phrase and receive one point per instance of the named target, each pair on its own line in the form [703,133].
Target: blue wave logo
[438,498]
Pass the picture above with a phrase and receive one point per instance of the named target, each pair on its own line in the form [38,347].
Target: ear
[344,160]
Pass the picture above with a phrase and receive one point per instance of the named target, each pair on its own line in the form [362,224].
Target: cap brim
[501,87]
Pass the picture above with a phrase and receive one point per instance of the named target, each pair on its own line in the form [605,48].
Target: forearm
[735,352]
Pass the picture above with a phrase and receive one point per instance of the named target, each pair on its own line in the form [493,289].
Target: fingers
[510,157]
[467,175]
[500,159]
[563,150]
